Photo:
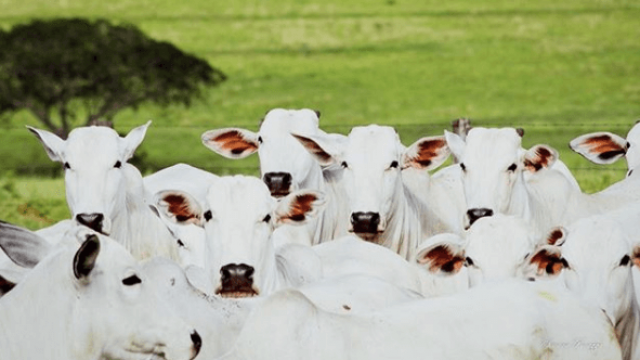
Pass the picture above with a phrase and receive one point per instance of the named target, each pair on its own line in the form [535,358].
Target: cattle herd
[347,247]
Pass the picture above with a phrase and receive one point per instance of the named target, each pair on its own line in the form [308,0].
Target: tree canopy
[62,69]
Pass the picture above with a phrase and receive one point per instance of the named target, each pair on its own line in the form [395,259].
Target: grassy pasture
[556,69]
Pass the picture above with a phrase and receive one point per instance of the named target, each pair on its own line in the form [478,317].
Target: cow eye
[512,167]
[66,166]
[208,215]
[260,139]
[344,165]
[180,243]
[131,280]
[625,260]
[463,167]
[267,218]
[394,164]
[468,261]
[117,165]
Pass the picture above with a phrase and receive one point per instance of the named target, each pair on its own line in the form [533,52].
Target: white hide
[599,259]
[350,255]
[239,218]
[495,248]
[279,152]
[500,177]
[514,320]
[183,177]
[372,161]
[99,182]
[90,302]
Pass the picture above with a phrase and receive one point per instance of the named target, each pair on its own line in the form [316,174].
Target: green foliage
[63,65]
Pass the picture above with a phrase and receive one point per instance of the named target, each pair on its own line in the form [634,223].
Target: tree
[62,69]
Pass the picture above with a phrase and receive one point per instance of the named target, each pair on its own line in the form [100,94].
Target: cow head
[492,163]
[284,165]
[372,159]
[495,248]
[99,291]
[95,171]
[239,219]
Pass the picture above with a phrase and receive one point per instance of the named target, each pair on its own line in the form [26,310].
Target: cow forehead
[280,122]
[507,236]
[492,145]
[595,241]
[239,194]
[93,145]
[373,144]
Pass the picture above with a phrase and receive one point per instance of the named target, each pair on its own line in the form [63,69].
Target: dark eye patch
[625,260]
[117,165]
[267,218]
[512,167]
[208,215]
[131,280]
[394,164]
[344,165]
[66,166]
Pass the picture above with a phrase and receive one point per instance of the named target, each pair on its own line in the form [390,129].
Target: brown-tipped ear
[557,236]
[298,207]
[635,255]
[318,151]
[600,147]
[520,132]
[547,261]
[179,207]
[442,254]
[232,143]
[426,153]
[85,259]
[540,157]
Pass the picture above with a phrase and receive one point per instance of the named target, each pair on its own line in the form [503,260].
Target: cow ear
[52,144]
[179,207]
[323,150]
[600,147]
[85,259]
[427,153]
[546,262]
[539,157]
[232,143]
[23,247]
[635,256]
[133,139]
[297,207]
[556,236]
[455,143]
[442,254]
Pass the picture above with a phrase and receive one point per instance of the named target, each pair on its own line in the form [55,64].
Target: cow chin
[369,236]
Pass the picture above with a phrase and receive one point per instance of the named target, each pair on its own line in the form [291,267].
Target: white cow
[239,217]
[383,208]
[493,249]
[87,302]
[500,177]
[285,166]
[195,181]
[350,255]
[513,320]
[597,265]
[106,193]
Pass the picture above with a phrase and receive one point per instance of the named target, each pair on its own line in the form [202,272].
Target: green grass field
[556,69]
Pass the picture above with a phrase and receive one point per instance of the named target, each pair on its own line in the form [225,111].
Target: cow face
[492,163]
[239,220]
[494,249]
[94,160]
[284,165]
[372,159]
[598,265]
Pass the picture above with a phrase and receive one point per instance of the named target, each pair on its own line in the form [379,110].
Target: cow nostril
[197,341]
[477,213]
[93,221]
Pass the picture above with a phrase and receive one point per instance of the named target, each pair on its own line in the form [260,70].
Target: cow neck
[137,228]
[403,224]
[628,326]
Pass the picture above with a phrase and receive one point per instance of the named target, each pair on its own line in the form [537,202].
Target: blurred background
[557,69]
